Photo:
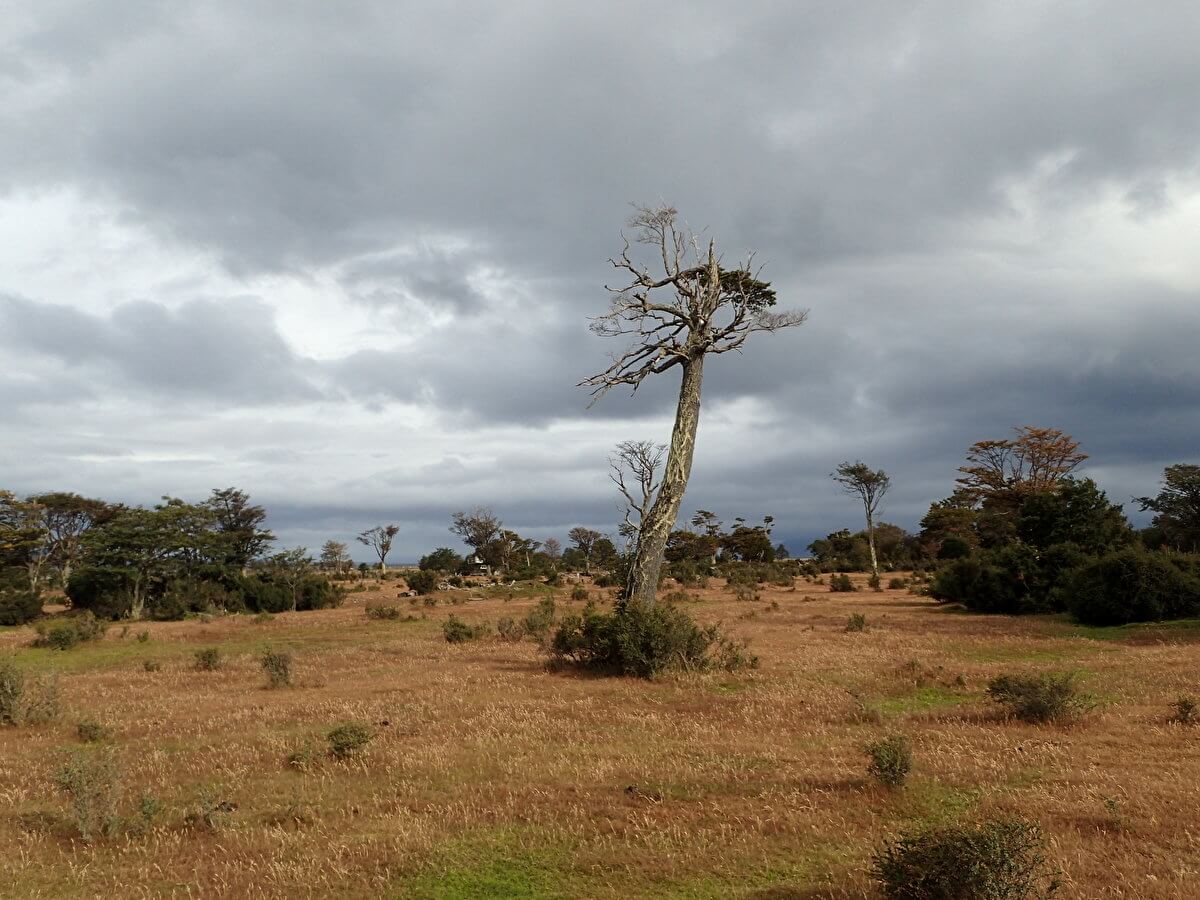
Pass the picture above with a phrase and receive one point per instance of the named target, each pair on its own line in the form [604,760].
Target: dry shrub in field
[151,665]
[891,760]
[209,659]
[644,641]
[348,738]
[540,619]
[1186,711]
[456,631]
[92,783]
[382,613]
[209,812]
[91,731]
[24,699]
[840,584]
[998,860]
[856,622]
[278,666]
[69,631]
[874,583]
[579,593]
[1040,699]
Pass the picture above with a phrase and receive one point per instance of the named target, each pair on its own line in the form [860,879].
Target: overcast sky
[342,255]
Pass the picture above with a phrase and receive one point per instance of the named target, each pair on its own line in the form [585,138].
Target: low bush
[456,631]
[540,619]
[890,760]
[348,739]
[643,641]
[382,613]
[209,659]
[69,631]
[856,622]
[92,783]
[746,593]
[997,860]
[18,606]
[897,584]
[1186,711]
[509,629]
[1133,585]
[841,584]
[689,573]
[874,583]
[277,665]
[1039,699]
[209,812]
[91,731]
[26,699]
[151,665]
[579,593]
[423,582]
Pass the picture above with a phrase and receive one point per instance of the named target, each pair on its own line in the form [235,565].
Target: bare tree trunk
[652,540]
[137,607]
[871,542]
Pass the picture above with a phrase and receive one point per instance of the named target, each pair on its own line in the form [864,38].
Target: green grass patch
[1176,629]
[922,699]
[934,803]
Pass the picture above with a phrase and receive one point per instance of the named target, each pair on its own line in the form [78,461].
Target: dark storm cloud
[459,174]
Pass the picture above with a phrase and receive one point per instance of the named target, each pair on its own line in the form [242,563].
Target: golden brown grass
[490,776]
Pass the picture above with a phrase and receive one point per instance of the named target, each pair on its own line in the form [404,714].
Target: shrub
[91,731]
[509,630]
[1133,585]
[688,573]
[841,584]
[874,583]
[891,760]
[897,584]
[423,581]
[643,641]
[348,739]
[143,637]
[1187,711]
[383,613]
[19,606]
[456,631]
[856,622]
[997,860]
[91,781]
[69,631]
[209,659]
[579,593]
[278,666]
[151,665]
[209,812]
[540,619]
[1039,699]
[26,700]
[746,593]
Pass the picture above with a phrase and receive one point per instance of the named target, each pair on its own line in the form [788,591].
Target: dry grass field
[489,776]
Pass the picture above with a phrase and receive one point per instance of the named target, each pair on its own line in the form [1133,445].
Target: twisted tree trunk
[656,529]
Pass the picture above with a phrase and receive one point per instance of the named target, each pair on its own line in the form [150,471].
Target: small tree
[240,524]
[291,567]
[870,486]
[634,469]
[1177,507]
[478,528]
[677,316]
[335,557]
[380,540]
[585,540]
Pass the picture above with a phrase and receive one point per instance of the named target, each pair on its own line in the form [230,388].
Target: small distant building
[477,565]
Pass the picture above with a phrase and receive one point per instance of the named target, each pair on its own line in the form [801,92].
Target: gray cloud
[950,187]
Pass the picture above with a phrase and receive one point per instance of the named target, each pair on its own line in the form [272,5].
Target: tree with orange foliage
[1002,473]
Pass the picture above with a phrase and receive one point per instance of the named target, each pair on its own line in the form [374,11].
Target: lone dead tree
[634,469]
[859,480]
[676,317]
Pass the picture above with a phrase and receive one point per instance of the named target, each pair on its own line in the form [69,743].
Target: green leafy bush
[423,581]
[579,593]
[1039,699]
[69,631]
[456,631]
[874,583]
[92,783]
[891,760]
[1134,585]
[1186,711]
[18,606]
[998,860]
[856,622]
[841,584]
[643,641]
[348,739]
[540,619]
[382,613]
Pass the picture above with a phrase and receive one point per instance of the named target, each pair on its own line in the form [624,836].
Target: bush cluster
[69,631]
[997,860]
[456,631]
[1134,585]
[18,604]
[423,581]
[348,739]
[1039,699]
[891,760]
[643,641]
[841,584]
